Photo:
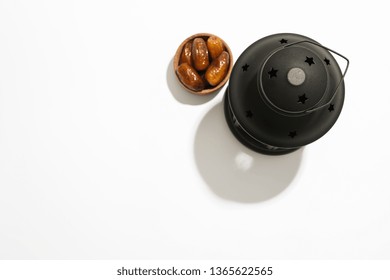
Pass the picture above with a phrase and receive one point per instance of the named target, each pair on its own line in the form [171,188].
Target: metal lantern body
[285,91]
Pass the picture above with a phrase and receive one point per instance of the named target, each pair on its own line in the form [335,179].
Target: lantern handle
[342,77]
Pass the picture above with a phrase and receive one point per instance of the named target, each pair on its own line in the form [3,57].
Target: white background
[103,155]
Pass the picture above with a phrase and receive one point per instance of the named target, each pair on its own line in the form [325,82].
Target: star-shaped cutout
[327,61]
[331,108]
[302,98]
[283,41]
[272,73]
[309,60]
[249,114]
[245,67]
[292,134]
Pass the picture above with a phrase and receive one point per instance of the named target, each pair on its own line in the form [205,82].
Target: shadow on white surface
[180,94]
[234,172]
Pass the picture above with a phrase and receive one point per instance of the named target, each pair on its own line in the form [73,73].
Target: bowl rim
[177,58]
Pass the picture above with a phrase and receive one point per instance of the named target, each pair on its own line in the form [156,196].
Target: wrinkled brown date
[189,77]
[200,54]
[218,69]
[185,56]
[215,46]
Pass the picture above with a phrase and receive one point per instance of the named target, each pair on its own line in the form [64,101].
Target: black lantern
[285,91]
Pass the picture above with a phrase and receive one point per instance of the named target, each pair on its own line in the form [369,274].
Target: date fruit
[200,54]
[215,46]
[190,77]
[218,69]
[185,56]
